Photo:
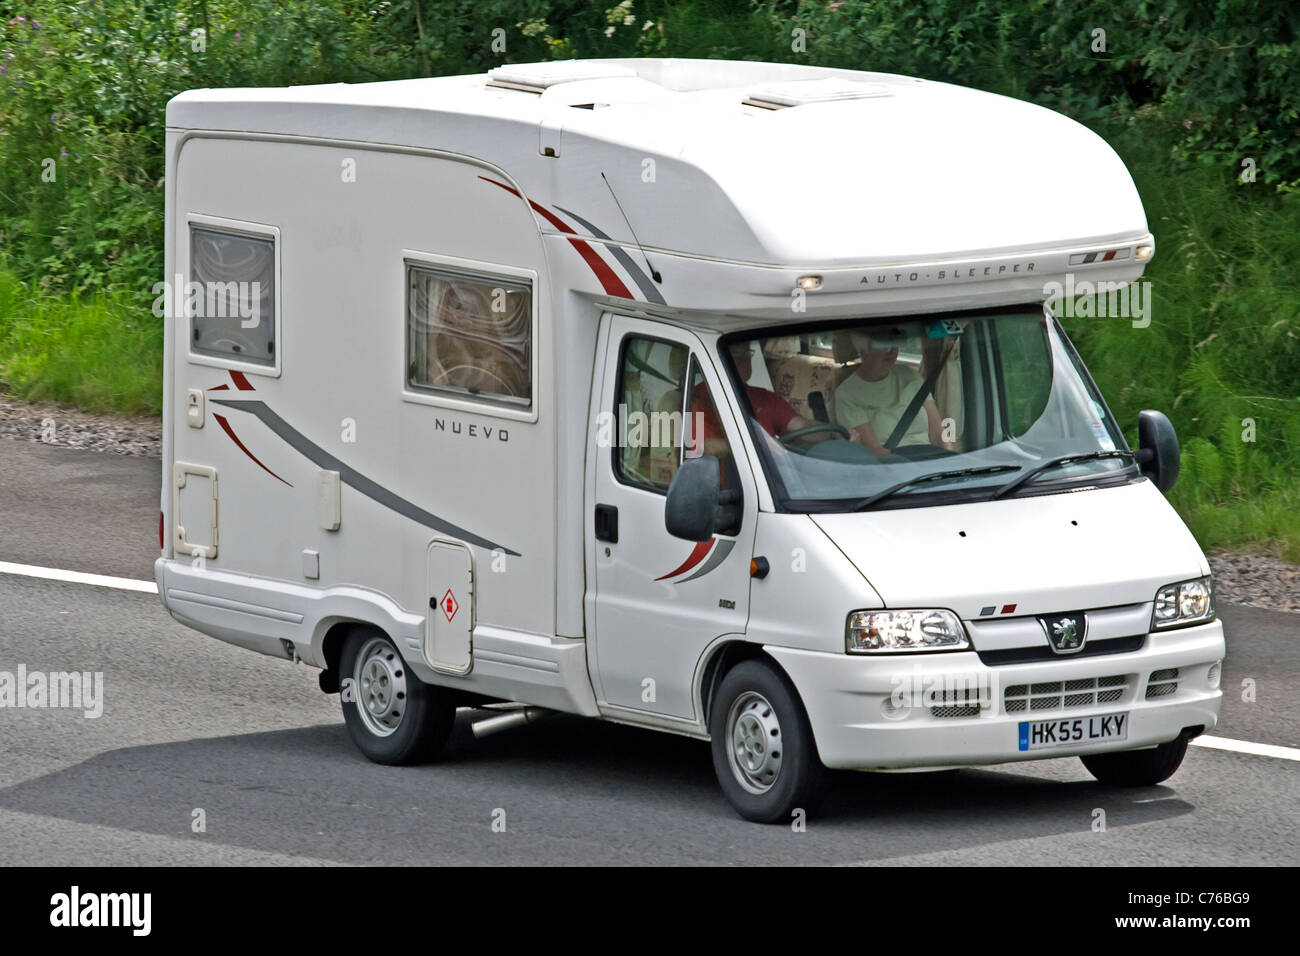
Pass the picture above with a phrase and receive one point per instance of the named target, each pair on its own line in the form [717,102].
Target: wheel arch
[721,658]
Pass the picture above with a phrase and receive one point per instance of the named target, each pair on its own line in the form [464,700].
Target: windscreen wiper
[1037,470]
[866,503]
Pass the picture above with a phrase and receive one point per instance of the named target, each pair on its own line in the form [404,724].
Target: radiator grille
[956,710]
[1058,695]
[1162,683]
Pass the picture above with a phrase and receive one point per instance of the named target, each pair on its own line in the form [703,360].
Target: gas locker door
[449,624]
[659,601]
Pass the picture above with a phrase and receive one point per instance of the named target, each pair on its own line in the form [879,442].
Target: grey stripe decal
[643,281]
[353,478]
[719,555]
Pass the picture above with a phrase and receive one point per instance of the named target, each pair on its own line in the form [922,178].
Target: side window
[232,314]
[1025,366]
[648,412]
[821,344]
[664,412]
[469,334]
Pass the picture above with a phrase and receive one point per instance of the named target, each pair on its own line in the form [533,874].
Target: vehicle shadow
[561,791]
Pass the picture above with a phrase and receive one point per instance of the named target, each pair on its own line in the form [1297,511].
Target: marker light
[1142,253]
[809,283]
[889,632]
[1189,602]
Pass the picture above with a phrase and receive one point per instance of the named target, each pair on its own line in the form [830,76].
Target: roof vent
[776,96]
[536,77]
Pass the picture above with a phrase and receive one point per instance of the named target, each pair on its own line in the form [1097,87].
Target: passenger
[871,401]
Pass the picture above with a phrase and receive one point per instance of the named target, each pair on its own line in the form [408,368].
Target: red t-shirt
[773,412]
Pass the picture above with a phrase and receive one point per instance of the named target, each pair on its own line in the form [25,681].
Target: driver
[774,413]
[871,401]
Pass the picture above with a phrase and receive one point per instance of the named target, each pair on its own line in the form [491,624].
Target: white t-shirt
[882,403]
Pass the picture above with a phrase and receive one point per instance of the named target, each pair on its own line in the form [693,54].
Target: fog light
[891,710]
[1142,253]
[809,283]
[1213,674]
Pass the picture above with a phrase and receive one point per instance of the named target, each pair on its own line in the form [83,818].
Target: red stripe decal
[509,189]
[225,426]
[1008,608]
[241,383]
[1108,256]
[609,280]
[219,388]
[696,556]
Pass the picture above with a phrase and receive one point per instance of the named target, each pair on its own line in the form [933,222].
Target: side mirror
[1157,454]
[692,506]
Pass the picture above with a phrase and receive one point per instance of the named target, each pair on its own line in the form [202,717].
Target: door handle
[607,523]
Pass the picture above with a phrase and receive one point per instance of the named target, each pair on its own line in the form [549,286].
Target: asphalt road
[191,724]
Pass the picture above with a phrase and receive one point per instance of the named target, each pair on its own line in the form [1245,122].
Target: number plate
[1044,734]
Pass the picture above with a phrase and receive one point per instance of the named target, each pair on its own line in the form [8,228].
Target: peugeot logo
[1066,633]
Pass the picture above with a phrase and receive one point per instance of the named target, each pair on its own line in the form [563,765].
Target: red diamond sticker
[449,604]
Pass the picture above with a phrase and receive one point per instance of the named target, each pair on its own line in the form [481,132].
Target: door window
[658,418]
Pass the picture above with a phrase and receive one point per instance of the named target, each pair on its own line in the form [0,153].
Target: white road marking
[79,577]
[1248,747]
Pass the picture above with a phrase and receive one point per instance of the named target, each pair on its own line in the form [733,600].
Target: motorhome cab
[716,398]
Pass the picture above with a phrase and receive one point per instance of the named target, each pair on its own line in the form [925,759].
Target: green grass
[101,352]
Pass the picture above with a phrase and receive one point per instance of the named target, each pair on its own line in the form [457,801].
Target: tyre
[763,748]
[1138,768]
[393,717]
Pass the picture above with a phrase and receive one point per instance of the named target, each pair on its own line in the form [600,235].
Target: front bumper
[887,712]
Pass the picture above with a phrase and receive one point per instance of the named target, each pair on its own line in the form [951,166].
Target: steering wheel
[810,429]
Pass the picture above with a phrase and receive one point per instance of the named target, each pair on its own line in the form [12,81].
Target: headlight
[1189,602]
[892,631]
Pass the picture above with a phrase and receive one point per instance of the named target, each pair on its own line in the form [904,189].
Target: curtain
[469,334]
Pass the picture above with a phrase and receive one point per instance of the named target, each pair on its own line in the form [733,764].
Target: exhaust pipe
[516,718]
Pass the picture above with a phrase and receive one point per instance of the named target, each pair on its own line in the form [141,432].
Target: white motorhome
[718,398]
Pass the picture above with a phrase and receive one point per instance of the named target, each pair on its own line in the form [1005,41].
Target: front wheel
[1138,768]
[392,716]
[763,749]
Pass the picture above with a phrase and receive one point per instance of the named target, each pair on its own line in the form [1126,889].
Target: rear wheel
[1138,768]
[393,717]
[763,749]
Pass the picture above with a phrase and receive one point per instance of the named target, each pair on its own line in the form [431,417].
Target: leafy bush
[1228,72]
[1222,354]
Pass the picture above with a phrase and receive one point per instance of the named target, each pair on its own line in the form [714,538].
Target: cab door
[659,601]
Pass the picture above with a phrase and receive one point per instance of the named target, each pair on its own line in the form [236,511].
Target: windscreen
[915,410]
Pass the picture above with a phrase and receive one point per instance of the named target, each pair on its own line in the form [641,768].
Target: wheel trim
[379,677]
[755,749]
